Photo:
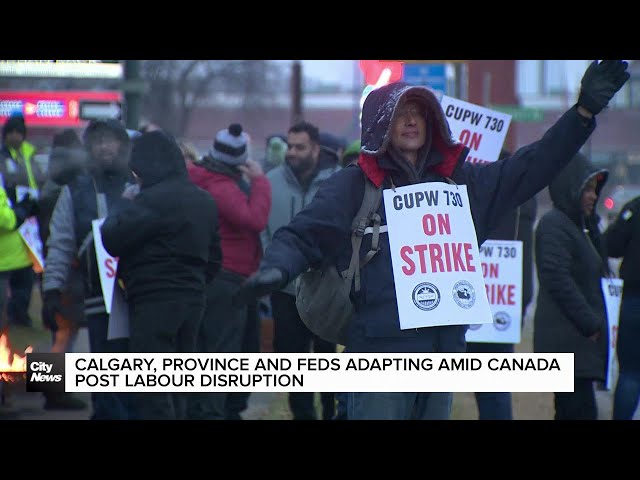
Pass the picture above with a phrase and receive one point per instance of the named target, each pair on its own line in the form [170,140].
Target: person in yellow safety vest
[19,172]
[12,249]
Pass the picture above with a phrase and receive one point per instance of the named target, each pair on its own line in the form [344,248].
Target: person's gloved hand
[600,83]
[25,208]
[261,283]
[51,305]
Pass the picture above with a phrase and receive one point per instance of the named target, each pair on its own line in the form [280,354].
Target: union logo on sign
[426,296]
[464,294]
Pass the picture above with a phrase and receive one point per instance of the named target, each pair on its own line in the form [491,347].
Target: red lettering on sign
[404,253]
[111,266]
[501,294]
[439,257]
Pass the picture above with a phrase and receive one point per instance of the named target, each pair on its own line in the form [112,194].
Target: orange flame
[10,362]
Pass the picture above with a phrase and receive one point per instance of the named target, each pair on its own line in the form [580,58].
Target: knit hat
[13,123]
[230,146]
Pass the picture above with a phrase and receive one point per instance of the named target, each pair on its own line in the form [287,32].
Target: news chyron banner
[502,272]
[435,257]
[328,372]
[479,128]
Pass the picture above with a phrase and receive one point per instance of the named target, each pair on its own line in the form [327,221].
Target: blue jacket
[321,231]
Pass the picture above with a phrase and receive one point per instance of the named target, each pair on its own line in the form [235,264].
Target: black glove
[600,83]
[261,283]
[27,207]
[51,305]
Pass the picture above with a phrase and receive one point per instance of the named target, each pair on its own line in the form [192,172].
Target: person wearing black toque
[71,252]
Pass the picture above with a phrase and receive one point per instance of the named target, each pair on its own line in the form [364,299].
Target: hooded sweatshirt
[321,232]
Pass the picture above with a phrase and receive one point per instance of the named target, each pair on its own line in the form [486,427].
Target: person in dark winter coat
[67,160]
[570,259]
[71,252]
[622,239]
[517,225]
[243,210]
[168,246]
[406,140]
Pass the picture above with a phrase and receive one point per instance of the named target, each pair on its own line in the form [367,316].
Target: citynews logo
[45,372]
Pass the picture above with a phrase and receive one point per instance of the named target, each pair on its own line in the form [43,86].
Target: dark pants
[21,286]
[579,404]
[107,405]
[627,393]
[164,326]
[221,331]
[292,336]
[237,402]
[492,405]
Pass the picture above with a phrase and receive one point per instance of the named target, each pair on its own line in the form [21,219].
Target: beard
[301,166]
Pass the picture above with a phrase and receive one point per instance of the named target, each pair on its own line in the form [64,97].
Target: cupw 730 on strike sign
[435,256]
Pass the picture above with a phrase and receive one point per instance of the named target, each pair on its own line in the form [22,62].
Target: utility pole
[133,88]
[296,92]
[460,81]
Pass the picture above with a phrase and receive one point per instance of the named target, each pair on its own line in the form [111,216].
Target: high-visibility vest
[23,156]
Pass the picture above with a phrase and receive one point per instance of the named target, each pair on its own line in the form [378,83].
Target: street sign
[427,75]
[97,110]
[521,114]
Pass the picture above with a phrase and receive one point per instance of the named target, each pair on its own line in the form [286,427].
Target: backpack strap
[368,212]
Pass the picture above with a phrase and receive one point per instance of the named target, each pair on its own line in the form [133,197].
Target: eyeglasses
[411,111]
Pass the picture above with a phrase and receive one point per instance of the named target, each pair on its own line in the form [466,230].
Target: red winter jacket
[241,217]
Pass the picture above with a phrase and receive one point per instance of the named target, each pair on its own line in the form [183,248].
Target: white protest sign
[479,128]
[30,233]
[502,271]
[612,291]
[107,265]
[435,257]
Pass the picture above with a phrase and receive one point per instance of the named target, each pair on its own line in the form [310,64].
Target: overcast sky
[331,71]
[339,72]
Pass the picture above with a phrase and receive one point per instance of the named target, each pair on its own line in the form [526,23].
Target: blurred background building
[196,98]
